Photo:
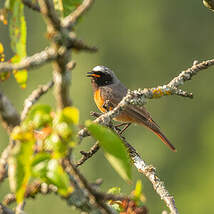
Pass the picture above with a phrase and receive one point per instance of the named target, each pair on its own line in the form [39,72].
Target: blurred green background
[146,43]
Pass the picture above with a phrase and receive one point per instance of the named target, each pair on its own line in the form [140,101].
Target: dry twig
[87,155]
[35,95]
[94,198]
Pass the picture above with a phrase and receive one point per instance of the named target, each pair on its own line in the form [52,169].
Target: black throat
[103,79]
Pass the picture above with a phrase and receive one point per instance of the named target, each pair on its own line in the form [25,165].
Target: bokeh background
[146,43]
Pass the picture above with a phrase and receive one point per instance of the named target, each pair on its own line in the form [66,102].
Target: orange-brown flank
[123,117]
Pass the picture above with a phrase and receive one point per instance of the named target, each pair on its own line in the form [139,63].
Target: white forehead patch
[98,68]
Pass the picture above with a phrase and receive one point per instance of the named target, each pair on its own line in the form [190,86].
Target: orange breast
[122,117]
[98,100]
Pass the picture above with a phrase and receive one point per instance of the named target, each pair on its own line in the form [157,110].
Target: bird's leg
[126,125]
[119,125]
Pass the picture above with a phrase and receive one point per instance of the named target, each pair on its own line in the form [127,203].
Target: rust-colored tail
[143,119]
[164,140]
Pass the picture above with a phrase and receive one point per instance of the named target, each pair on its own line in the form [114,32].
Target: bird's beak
[89,74]
[92,74]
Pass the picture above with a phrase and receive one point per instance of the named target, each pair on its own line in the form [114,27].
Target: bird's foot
[120,131]
[95,114]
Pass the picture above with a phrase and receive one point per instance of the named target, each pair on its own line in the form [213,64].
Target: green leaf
[58,7]
[17,27]
[65,7]
[70,5]
[51,172]
[39,116]
[57,176]
[137,195]
[22,134]
[9,4]
[39,165]
[18,32]
[55,143]
[21,77]
[19,170]
[114,190]
[138,190]
[115,151]
[64,130]
[69,115]
[65,122]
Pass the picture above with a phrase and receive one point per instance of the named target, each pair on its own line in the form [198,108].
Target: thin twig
[35,95]
[58,35]
[31,192]
[79,45]
[3,162]
[47,9]
[87,155]
[45,56]
[94,197]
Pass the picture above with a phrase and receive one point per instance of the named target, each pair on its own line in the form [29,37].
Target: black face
[101,78]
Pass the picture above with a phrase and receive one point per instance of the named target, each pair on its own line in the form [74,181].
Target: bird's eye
[106,82]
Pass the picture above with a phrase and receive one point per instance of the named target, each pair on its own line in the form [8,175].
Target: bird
[108,91]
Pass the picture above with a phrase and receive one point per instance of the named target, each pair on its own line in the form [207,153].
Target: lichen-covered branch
[45,56]
[150,172]
[139,98]
[190,72]
[30,62]
[35,95]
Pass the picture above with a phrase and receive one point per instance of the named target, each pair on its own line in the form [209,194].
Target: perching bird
[109,91]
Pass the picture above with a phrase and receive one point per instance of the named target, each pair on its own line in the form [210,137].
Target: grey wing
[113,93]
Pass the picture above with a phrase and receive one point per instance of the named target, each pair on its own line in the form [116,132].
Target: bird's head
[102,76]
